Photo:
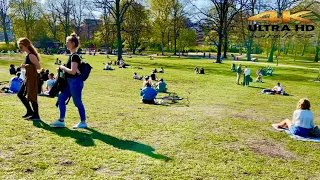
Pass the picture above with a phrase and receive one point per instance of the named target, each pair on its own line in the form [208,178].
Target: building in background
[199,31]
[88,28]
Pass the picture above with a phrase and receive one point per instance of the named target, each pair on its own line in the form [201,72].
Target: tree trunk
[162,43]
[303,50]
[316,57]
[4,28]
[249,48]
[272,52]
[225,45]
[119,41]
[175,37]
[219,48]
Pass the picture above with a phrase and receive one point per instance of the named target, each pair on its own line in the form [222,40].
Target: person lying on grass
[148,94]
[135,76]
[302,121]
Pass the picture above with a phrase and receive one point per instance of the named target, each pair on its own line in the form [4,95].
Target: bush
[9,47]
[234,50]
[202,49]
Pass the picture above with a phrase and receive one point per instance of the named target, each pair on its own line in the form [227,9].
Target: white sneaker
[80,125]
[57,123]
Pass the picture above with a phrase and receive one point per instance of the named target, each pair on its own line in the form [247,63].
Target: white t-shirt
[278,88]
[247,72]
[303,118]
[121,61]
[136,77]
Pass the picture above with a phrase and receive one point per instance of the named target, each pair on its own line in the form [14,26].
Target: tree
[64,9]
[178,21]
[135,24]
[50,14]
[187,38]
[117,10]
[220,17]
[161,10]
[79,13]
[4,18]
[26,14]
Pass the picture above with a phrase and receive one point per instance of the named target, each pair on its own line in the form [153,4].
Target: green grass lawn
[224,132]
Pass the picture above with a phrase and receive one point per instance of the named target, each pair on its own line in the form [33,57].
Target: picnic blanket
[298,138]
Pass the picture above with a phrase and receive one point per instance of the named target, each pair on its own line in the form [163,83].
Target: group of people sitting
[13,70]
[149,91]
[58,62]
[198,71]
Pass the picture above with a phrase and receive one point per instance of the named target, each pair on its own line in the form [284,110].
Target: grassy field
[224,132]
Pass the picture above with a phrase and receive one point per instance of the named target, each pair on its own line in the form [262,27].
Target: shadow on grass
[87,139]
[255,87]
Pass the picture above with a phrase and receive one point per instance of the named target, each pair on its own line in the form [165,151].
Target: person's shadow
[86,139]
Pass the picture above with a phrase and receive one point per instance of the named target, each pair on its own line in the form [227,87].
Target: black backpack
[84,69]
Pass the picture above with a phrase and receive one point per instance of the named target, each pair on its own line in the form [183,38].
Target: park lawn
[223,132]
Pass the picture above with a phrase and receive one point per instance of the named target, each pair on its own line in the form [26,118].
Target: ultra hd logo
[272,17]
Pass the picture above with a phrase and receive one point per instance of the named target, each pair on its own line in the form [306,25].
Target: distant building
[9,32]
[88,28]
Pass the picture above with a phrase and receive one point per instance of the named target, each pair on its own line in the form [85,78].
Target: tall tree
[4,18]
[135,25]
[50,14]
[64,9]
[117,9]
[79,13]
[178,15]
[161,10]
[27,14]
[220,17]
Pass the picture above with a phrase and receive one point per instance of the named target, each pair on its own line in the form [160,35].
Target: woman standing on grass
[31,80]
[303,120]
[74,86]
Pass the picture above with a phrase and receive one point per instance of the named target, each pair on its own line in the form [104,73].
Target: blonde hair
[74,38]
[27,43]
[304,104]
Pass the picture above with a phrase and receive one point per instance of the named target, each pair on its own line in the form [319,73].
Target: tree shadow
[87,139]
[3,82]
[255,87]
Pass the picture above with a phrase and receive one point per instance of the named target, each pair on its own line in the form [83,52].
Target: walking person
[246,76]
[74,86]
[30,85]
[239,71]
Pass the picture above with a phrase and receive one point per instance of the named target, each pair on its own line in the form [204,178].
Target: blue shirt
[148,93]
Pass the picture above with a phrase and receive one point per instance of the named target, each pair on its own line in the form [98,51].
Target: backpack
[84,69]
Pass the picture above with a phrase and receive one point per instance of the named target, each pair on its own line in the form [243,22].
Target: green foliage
[9,47]
[202,49]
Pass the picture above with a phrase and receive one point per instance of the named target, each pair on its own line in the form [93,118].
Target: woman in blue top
[302,121]
[148,94]
[74,85]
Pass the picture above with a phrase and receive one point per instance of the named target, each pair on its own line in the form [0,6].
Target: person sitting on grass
[12,70]
[201,71]
[14,85]
[196,70]
[135,76]
[303,119]
[153,76]
[148,94]
[58,62]
[147,79]
[278,89]
[233,67]
[161,86]
[259,74]
[162,70]
[50,83]
[155,71]
[108,67]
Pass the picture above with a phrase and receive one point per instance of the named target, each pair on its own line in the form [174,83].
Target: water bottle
[23,71]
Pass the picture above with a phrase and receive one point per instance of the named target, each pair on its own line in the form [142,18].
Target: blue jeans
[74,89]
